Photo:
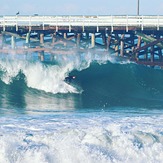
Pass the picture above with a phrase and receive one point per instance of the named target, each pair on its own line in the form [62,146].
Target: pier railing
[99,21]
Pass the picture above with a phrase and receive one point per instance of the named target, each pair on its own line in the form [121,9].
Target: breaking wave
[101,80]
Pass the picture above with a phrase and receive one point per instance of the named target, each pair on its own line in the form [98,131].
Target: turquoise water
[112,112]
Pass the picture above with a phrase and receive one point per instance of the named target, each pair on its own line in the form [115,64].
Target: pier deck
[70,22]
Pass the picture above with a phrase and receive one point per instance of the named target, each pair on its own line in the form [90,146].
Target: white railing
[99,21]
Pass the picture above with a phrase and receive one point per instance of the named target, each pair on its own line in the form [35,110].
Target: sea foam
[91,138]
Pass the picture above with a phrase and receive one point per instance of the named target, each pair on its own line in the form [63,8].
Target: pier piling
[78,39]
[122,46]
[41,38]
[41,55]
[92,40]
[28,38]
[13,44]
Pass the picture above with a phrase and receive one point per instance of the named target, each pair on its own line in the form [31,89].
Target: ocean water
[111,113]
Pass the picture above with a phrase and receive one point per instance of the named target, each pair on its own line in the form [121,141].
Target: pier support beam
[41,38]
[54,39]
[138,46]
[93,40]
[104,40]
[132,42]
[108,43]
[145,52]
[3,40]
[87,35]
[78,38]
[65,35]
[87,39]
[122,45]
[27,38]
[116,49]
[152,53]
[116,42]
[13,44]
[41,56]
[160,55]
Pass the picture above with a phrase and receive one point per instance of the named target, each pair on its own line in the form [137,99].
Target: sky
[80,7]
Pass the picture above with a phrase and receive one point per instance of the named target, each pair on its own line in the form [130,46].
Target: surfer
[69,79]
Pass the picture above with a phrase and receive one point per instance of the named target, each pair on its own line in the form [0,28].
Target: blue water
[111,113]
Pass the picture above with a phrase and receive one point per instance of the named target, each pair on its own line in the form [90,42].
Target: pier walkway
[123,22]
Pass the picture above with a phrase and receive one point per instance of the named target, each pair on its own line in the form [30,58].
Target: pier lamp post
[138,8]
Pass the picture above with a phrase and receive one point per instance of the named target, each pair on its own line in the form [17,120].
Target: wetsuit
[69,79]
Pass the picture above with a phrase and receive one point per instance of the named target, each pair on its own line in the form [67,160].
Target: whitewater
[111,113]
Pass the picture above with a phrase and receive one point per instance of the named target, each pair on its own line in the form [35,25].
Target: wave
[47,77]
[101,81]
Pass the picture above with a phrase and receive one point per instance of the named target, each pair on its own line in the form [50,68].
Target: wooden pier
[139,38]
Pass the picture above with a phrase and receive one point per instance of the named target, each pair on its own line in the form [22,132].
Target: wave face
[101,82]
[114,84]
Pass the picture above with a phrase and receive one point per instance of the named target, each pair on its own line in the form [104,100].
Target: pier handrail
[100,21]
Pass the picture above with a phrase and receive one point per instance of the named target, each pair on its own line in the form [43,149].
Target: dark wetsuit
[69,79]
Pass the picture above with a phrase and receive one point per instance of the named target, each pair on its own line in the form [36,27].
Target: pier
[138,38]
